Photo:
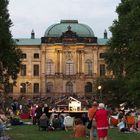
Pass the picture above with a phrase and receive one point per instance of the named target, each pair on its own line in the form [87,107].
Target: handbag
[89,125]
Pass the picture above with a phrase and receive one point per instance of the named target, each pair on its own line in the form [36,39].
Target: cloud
[29,14]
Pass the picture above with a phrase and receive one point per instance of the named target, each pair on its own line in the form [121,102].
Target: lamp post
[27,86]
[100,89]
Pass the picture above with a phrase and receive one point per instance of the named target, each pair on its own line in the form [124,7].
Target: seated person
[121,126]
[16,121]
[43,122]
[68,122]
[79,129]
[56,122]
[61,118]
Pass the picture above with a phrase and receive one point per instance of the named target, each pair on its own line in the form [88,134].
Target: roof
[37,41]
[28,41]
[102,41]
[56,30]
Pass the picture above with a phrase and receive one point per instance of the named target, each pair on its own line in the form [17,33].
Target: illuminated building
[67,60]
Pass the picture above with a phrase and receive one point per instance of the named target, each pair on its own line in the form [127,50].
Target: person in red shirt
[101,118]
[91,116]
[79,129]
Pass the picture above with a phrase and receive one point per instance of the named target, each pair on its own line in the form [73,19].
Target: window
[88,87]
[23,70]
[9,88]
[88,67]
[22,88]
[36,55]
[102,70]
[49,87]
[69,87]
[69,67]
[36,70]
[36,87]
[102,55]
[23,56]
[50,67]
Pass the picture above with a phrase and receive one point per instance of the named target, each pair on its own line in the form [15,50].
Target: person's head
[43,116]
[123,119]
[55,116]
[78,121]
[67,114]
[45,105]
[101,106]
[95,103]
[139,118]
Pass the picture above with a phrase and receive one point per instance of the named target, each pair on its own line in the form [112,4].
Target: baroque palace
[67,60]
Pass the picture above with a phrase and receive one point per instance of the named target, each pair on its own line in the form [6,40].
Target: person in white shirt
[122,127]
[68,122]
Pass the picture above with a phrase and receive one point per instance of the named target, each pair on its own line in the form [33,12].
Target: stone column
[60,61]
[42,71]
[77,60]
[95,63]
[82,61]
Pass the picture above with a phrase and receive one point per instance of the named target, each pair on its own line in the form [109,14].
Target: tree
[113,90]
[9,54]
[123,56]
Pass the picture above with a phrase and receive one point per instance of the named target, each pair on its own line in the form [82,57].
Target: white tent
[74,104]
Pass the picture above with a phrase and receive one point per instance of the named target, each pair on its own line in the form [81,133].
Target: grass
[30,132]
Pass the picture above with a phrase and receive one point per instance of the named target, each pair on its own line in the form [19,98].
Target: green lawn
[30,132]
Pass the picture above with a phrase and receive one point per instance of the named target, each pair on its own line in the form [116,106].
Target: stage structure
[74,104]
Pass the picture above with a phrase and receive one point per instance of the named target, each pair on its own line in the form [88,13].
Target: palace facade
[67,60]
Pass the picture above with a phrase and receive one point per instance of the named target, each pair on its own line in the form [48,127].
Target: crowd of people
[125,119]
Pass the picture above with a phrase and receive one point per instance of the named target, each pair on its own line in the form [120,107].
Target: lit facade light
[99,87]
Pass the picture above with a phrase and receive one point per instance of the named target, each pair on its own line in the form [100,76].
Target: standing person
[38,112]
[91,116]
[46,110]
[33,114]
[102,122]
[139,123]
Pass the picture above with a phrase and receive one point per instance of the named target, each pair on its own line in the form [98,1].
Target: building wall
[59,54]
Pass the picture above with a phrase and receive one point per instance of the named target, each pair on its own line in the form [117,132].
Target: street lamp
[100,89]
[27,85]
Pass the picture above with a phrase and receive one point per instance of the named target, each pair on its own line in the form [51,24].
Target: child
[79,129]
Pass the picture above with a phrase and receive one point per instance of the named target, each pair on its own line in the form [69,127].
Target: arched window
[88,87]
[88,67]
[50,67]
[69,67]
[23,88]
[49,88]
[69,87]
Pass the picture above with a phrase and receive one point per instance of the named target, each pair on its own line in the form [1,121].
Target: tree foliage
[123,57]
[9,54]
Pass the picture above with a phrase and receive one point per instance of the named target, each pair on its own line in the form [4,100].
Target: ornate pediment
[69,36]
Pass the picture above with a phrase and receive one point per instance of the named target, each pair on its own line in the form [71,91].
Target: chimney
[32,34]
[105,34]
